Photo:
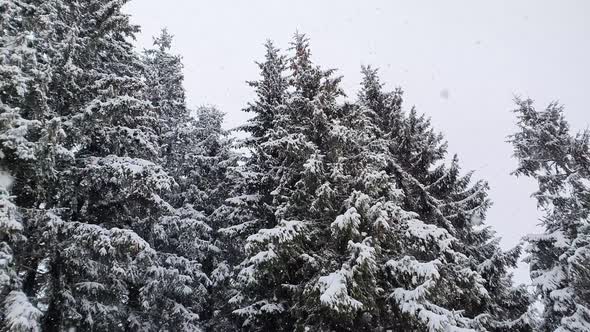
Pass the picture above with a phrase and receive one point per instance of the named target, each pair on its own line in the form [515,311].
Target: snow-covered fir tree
[370,229]
[164,78]
[559,257]
[252,204]
[97,243]
[198,154]
[445,269]
[266,183]
[92,259]
[18,313]
[102,271]
[30,42]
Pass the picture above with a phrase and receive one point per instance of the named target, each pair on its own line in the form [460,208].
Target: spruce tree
[252,204]
[274,185]
[164,79]
[91,256]
[197,153]
[559,257]
[463,263]
[392,258]
[370,230]
[18,314]
[30,147]
[124,192]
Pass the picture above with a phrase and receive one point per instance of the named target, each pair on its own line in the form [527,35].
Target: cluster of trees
[106,226]
[124,210]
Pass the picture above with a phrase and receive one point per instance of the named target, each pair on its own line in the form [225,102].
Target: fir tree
[18,313]
[434,204]
[164,78]
[123,192]
[196,152]
[370,230]
[95,237]
[559,258]
[30,146]
[274,182]
[252,204]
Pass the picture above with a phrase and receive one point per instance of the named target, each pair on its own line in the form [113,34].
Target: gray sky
[460,62]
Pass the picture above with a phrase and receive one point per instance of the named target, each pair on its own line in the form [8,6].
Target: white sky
[460,62]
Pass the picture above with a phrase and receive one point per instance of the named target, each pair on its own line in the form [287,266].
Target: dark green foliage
[560,256]
[356,223]
[129,211]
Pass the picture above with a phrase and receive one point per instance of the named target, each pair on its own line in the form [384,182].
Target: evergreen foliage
[559,257]
[371,230]
[122,209]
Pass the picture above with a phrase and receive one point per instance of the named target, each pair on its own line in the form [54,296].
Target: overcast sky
[460,62]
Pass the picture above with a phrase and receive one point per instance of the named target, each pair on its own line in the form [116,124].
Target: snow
[247,275]
[9,222]
[334,292]
[122,165]
[363,253]
[313,165]
[285,231]
[259,308]
[263,256]
[350,221]
[309,259]
[236,229]
[5,180]
[410,266]
[557,237]
[21,315]
[272,308]
[105,242]
[243,200]
[549,280]
[419,230]
[135,136]
[14,137]
[220,273]
[562,295]
[362,201]
[90,287]
[580,255]
[578,321]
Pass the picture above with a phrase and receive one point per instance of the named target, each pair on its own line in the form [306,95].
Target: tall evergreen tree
[252,204]
[370,230]
[449,208]
[197,153]
[164,89]
[91,257]
[408,253]
[271,183]
[30,146]
[18,314]
[158,281]
[559,258]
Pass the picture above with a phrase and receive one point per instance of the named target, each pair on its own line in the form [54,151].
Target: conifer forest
[122,208]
